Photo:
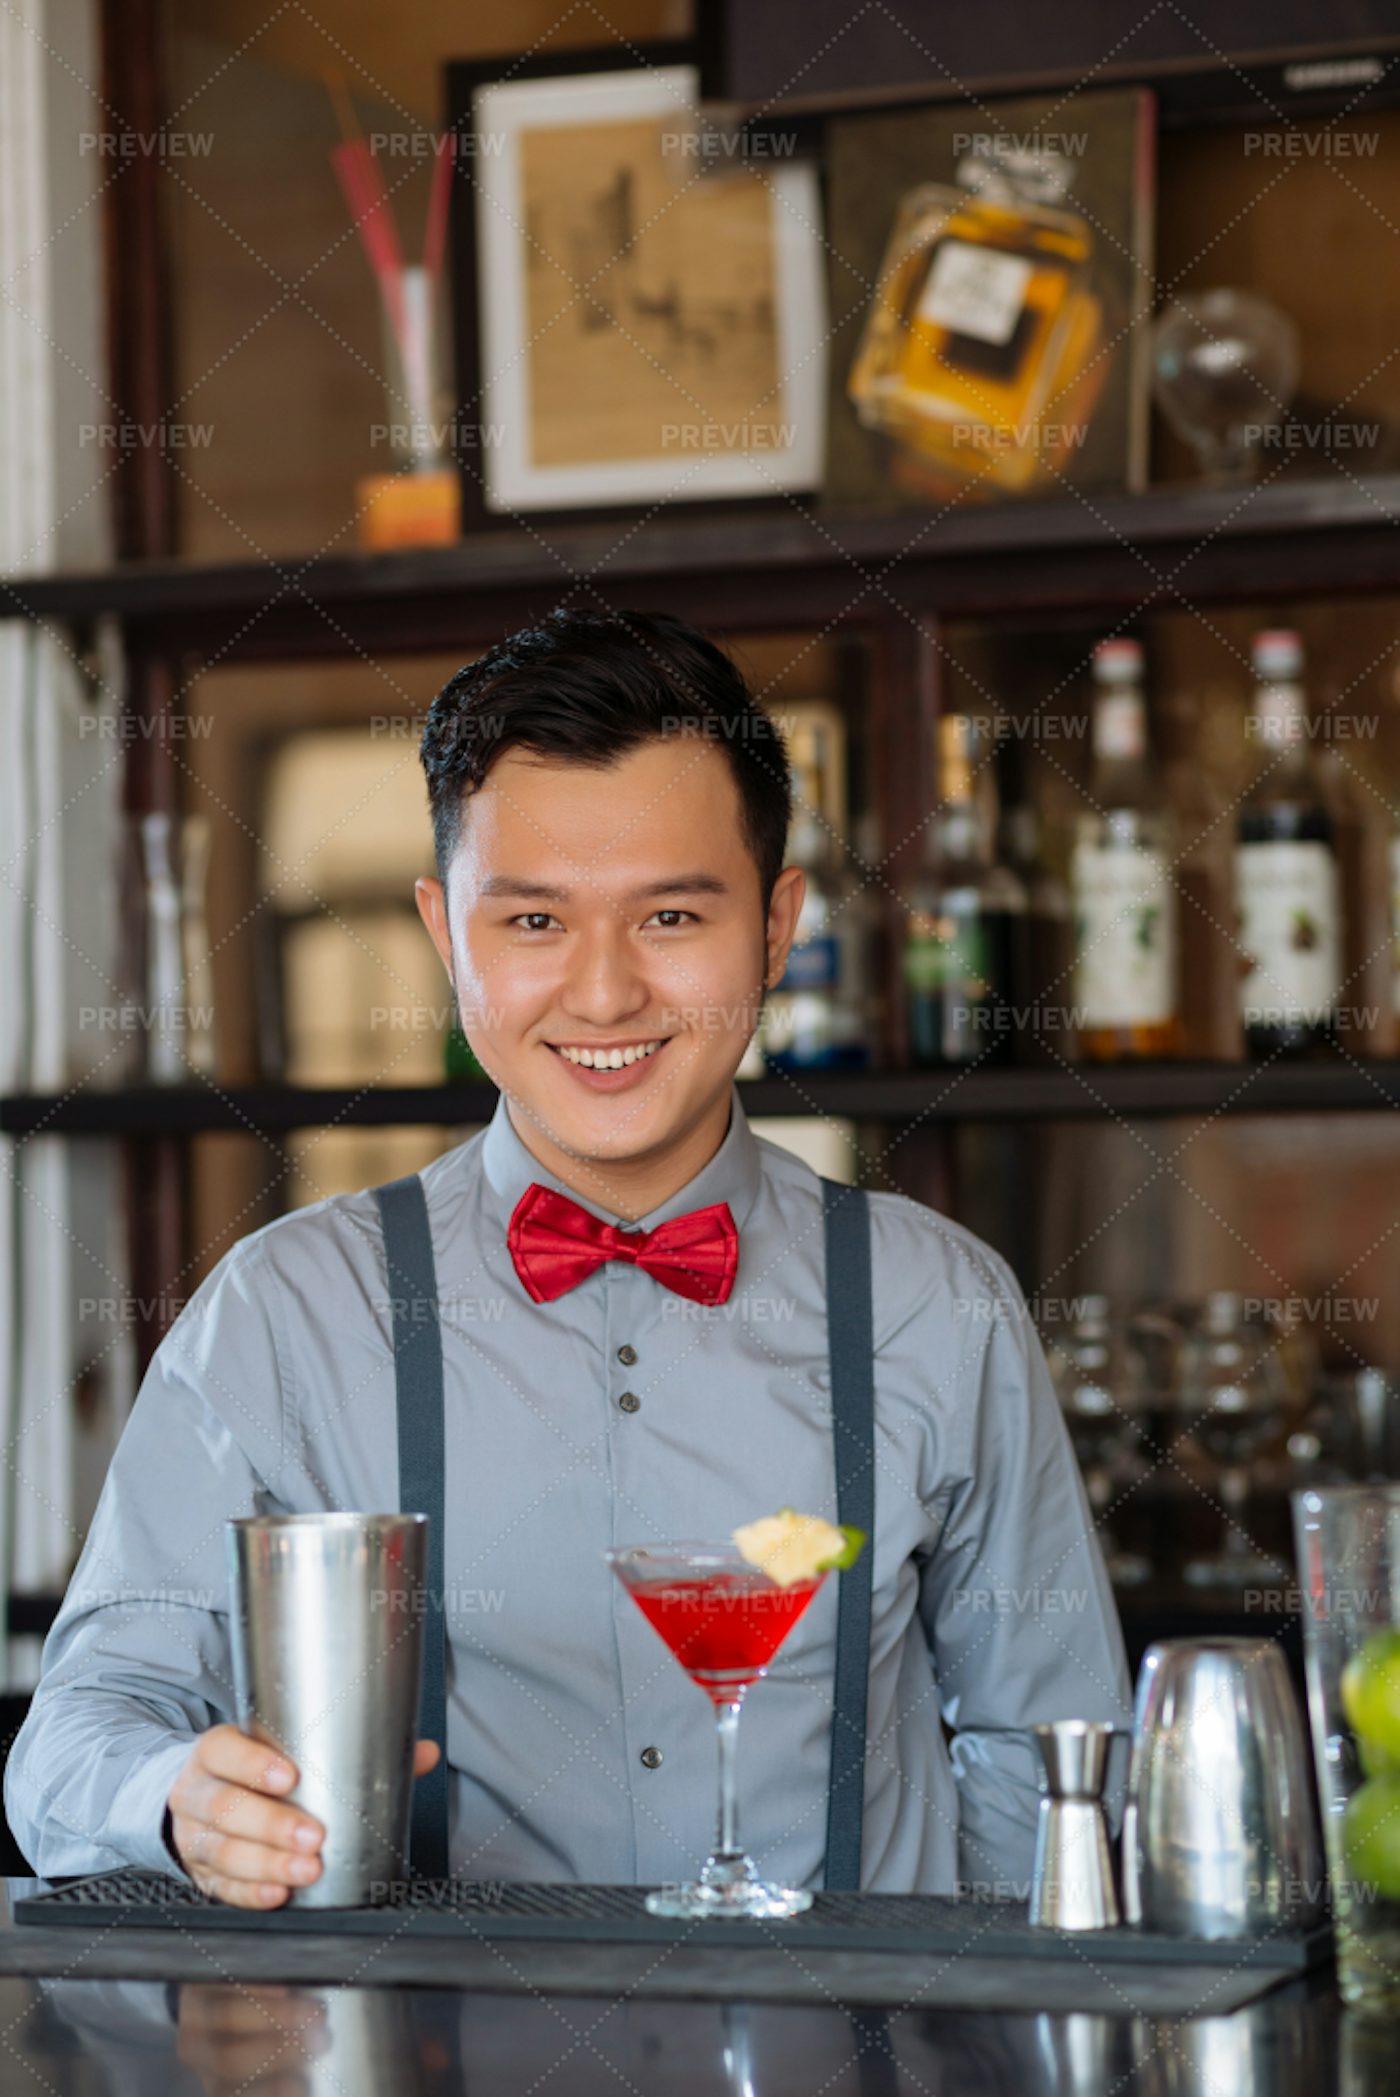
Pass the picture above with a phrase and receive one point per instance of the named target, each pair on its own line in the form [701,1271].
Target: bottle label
[1290,931]
[975,291]
[798,1030]
[1125,927]
[948,953]
[1119,729]
[812,964]
[1279,719]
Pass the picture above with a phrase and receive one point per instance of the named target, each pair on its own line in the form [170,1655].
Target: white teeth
[609,1059]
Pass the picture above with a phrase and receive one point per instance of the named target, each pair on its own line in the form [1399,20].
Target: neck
[630,1187]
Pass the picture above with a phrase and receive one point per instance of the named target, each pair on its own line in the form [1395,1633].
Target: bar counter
[182,2011]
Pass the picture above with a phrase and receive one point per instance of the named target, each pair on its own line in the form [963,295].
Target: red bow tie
[556,1244]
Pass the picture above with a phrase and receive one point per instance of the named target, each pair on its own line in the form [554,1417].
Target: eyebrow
[545,892]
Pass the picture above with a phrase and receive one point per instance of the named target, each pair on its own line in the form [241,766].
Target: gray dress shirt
[619,1413]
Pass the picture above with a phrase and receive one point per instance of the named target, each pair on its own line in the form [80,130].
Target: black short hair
[587,687]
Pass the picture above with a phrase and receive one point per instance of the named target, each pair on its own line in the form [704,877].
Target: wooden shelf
[760,567]
[1084,1093]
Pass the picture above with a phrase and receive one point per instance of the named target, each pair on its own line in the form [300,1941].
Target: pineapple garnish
[789,1546]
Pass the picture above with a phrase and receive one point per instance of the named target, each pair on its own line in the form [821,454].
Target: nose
[606,983]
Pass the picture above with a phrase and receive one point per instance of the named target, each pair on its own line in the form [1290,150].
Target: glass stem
[727,1840]
[1234,1498]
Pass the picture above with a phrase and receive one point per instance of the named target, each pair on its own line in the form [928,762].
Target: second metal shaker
[1220,1837]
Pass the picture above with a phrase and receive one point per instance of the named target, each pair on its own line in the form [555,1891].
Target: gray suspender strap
[408,1248]
[408,1251]
[851,1344]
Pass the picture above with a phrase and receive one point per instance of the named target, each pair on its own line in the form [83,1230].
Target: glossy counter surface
[257,2031]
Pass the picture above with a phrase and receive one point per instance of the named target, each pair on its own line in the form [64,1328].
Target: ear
[788,891]
[432,908]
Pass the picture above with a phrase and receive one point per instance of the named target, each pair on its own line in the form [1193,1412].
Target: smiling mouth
[612,1057]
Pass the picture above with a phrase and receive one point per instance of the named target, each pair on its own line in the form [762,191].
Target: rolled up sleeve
[137,1663]
[1016,1603]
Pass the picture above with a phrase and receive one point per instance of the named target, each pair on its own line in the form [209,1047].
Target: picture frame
[597,376]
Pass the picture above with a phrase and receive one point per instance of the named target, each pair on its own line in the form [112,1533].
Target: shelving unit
[1080,1092]
[896,582]
[741,570]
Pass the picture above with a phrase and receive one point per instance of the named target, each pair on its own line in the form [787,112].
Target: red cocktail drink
[725,1629]
[724,1620]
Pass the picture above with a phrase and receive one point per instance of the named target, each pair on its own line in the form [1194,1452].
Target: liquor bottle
[816,1017]
[1395,919]
[1362,1020]
[1042,984]
[1125,989]
[964,915]
[984,317]
[1287,886]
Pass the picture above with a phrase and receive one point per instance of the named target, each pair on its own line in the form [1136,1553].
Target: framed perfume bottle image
[1001,346]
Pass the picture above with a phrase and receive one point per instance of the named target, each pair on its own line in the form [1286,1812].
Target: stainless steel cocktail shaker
[327,1630]
[1220,1837]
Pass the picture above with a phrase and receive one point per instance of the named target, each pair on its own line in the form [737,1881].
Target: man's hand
[231,1826]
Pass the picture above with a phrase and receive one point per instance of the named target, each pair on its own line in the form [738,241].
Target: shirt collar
[732,1174]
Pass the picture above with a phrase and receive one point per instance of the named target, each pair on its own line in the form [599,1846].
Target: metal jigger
[1072,1886]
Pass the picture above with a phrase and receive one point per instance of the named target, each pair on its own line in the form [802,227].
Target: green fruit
[1376,1761]
[855,1539]
[1371,1835]
[1371,1693]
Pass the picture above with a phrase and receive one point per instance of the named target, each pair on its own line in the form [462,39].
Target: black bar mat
[929,1924]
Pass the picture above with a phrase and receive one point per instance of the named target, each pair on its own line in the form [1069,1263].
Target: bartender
[631,1293]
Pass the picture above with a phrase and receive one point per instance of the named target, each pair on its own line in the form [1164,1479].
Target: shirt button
[651,1758]
[630,1402]
[627,1355]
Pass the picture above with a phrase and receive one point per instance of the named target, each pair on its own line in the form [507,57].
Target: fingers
[237,1834]
[237,1842]
[210,1849]
[239,1893]
[226,1751]
[231,1810]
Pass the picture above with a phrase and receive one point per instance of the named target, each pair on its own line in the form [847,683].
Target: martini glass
[724,1620]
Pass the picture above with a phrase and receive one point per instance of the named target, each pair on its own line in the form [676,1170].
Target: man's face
[611,914]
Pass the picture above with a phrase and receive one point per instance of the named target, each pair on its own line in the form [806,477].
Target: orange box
[408,509]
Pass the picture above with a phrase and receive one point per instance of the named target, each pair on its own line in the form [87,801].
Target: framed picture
[639,300]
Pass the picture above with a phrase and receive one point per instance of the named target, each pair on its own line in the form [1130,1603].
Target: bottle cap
[1118,661]
[1277,655]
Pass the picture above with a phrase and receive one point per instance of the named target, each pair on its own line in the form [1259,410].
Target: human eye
[536,921]
[670,920]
